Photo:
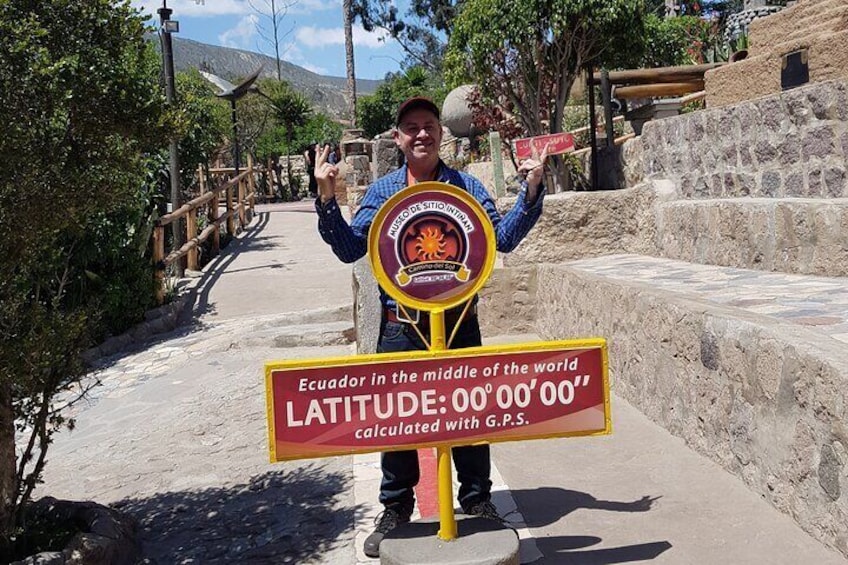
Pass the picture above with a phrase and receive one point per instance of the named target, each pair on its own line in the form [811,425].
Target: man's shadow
[544,506]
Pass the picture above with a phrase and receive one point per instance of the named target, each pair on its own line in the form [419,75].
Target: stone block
[814,182]
[588,224]
[387,157]
[508,301]
[770,184]
[834,182]
[783,234]
[756,395]
[795,185]
[759,75]
[819,141]
[366,307]
[484,172]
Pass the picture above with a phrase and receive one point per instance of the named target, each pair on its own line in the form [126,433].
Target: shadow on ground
[544,506]
[289,516]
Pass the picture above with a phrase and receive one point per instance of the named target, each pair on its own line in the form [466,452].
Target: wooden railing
[658,82]
[238,213]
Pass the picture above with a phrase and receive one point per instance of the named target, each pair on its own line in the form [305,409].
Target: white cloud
[209,8]
[311,6]
[241,36]
[323,37]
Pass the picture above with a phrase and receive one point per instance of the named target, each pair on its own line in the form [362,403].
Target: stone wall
[508,302]
[762,184]
[792,144]
[818,26]
[484,171]
[590,224]
[750,392]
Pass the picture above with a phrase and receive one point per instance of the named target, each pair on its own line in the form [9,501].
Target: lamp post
[167,27]
[232,92]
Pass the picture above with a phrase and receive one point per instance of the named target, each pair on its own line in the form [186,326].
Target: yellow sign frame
[421,355]
[388,284]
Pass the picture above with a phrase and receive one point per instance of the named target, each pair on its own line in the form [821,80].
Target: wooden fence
[238,213]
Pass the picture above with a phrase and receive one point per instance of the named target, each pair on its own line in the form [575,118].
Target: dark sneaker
[386,521]
[484,509]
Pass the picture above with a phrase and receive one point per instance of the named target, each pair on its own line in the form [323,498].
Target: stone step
[759,75]
[792,235]
[318,315]
[750,368]
[301,335]
[803,18]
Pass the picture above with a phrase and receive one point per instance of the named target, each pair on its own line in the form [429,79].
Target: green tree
[202,121]
[672,41]
[422,32]
[524,55]
[377,111]
[81,108]
[319,128]
[290,110]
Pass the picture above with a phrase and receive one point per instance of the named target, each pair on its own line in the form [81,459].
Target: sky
[314,33]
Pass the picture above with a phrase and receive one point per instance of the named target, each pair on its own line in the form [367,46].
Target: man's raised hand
[325,175]
[533,169]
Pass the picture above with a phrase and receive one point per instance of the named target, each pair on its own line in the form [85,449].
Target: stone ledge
[588,224]
[763,398]
[790,235]
[157,321]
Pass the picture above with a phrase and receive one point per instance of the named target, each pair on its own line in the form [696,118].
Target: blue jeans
[400,468]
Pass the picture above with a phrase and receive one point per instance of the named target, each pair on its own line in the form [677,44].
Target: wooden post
[497,162]
[593,137]
[231,222]
[241,187]
[213,217]
[606,97]
[201,179]
[251,182]
[191,233]
[158,267]
[269,186]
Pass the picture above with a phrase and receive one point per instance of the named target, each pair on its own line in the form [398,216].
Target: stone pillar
[356,151]
[387,156]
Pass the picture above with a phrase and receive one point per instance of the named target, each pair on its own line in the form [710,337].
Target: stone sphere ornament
[456,115]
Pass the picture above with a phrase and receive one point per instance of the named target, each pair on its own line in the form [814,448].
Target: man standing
[309,158]
[418,134]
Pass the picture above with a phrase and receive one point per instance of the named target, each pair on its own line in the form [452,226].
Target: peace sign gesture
[532,170]
[325,175]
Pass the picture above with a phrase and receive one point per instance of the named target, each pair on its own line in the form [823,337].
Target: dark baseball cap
[415,103]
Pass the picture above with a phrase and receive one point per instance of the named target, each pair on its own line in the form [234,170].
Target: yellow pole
[447,521]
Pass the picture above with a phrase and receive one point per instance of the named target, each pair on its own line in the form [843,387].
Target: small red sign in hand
[558,143]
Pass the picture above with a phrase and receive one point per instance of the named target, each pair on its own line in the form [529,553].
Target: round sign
[431,245]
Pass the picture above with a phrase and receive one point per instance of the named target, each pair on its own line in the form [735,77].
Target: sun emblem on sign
[430,244]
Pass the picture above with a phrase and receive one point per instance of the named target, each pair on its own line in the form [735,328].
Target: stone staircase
[819,26]
[721,283]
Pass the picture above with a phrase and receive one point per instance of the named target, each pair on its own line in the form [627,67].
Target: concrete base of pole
[480,542]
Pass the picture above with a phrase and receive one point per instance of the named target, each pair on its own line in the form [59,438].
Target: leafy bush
[81,111]
[376,113]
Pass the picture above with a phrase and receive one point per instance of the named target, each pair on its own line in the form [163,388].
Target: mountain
[326,93]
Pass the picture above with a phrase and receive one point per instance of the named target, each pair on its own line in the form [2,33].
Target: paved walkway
[176,436]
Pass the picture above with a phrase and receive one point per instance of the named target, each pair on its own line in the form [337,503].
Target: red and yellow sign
[431,245]
[558,143]
[387,402]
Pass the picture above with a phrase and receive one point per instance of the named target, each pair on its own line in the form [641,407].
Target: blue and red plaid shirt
[350,241]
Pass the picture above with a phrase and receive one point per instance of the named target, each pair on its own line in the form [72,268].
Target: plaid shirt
[350,242]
